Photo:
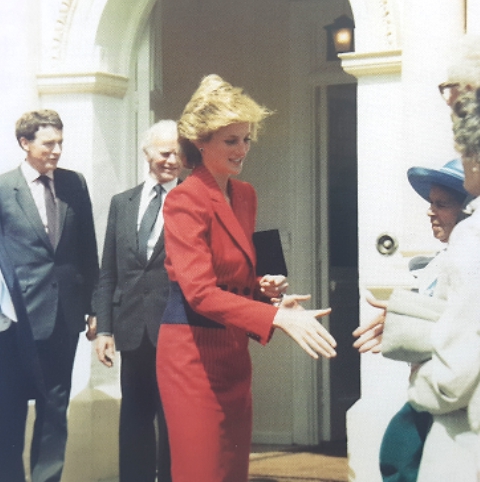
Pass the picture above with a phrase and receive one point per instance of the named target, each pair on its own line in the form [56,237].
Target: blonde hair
[216,104]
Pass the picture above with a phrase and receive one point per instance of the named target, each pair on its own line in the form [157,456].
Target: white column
[18,30]
[383,382]
[99,141]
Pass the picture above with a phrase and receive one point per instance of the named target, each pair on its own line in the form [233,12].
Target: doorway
[294,397]
[336,143]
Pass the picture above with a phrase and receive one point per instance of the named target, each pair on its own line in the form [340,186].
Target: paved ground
[325,463]
[274,463]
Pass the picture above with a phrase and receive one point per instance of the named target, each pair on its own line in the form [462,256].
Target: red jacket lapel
[224,211]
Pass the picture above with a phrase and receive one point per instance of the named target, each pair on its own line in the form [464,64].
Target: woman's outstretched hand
[304,327]
[370,335]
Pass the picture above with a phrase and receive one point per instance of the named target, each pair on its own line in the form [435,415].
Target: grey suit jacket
[50,279]
[132,293]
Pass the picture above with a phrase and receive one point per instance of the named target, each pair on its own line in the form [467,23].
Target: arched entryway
[276,50]
[118,65]
[140,61]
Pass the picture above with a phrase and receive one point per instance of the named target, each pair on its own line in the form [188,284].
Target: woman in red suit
[216,301]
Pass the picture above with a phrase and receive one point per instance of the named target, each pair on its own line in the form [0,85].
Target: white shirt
[148,193]
[7,310]
[37,188]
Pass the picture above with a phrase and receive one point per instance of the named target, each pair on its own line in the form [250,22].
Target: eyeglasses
[449,91]
[452,92]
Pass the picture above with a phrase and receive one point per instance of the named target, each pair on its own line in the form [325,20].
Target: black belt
[179,312]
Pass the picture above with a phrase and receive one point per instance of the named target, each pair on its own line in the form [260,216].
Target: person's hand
[370,335]
[105,348]
[306,330]
[291,302]
[91,332]
[273,286]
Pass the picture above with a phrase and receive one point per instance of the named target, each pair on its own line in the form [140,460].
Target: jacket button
[223,287]
[234,290]
[253,336]
[246,291]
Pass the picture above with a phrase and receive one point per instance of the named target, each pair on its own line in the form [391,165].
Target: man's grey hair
[164,129]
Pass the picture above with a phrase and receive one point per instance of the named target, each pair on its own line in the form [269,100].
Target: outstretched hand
[370,335]
[303,327]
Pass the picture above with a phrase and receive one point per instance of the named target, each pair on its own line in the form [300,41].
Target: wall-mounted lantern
[340,38]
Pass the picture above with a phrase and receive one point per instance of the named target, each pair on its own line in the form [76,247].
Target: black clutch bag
[270,259]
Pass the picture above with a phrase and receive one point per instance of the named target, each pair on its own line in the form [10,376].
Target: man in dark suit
[130,301]
[47,223]
[20,375]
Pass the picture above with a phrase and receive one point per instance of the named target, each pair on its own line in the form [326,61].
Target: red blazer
[210,253]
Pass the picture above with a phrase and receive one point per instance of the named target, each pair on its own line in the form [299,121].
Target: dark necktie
[51,208]
[148,221]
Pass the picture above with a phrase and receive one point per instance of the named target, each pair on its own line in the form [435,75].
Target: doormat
[297,467]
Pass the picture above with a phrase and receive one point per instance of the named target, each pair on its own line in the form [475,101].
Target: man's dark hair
[28,125]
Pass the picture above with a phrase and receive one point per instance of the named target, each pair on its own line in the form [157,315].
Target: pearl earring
[475,169]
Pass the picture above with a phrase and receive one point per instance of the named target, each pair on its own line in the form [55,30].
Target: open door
[338,247]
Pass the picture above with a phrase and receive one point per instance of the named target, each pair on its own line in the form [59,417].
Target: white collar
[150,183]
[473,205]
[31,174]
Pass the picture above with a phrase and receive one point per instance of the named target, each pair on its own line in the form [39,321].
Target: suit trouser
[142,452]
[56,355]
[14,397]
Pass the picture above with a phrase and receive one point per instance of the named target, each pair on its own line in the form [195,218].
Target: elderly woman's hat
[450,176]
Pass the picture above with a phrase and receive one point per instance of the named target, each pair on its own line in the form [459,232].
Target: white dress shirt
[148,193]
[37,188]
[7,310]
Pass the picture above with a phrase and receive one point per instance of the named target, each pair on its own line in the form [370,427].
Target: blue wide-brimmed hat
[450,175]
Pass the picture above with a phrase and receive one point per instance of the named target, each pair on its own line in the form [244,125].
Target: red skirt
[204,376]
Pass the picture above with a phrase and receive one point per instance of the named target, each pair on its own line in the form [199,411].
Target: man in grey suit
[130,300]
[47,223]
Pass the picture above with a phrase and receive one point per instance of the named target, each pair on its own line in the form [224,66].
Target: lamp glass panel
[343,40]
